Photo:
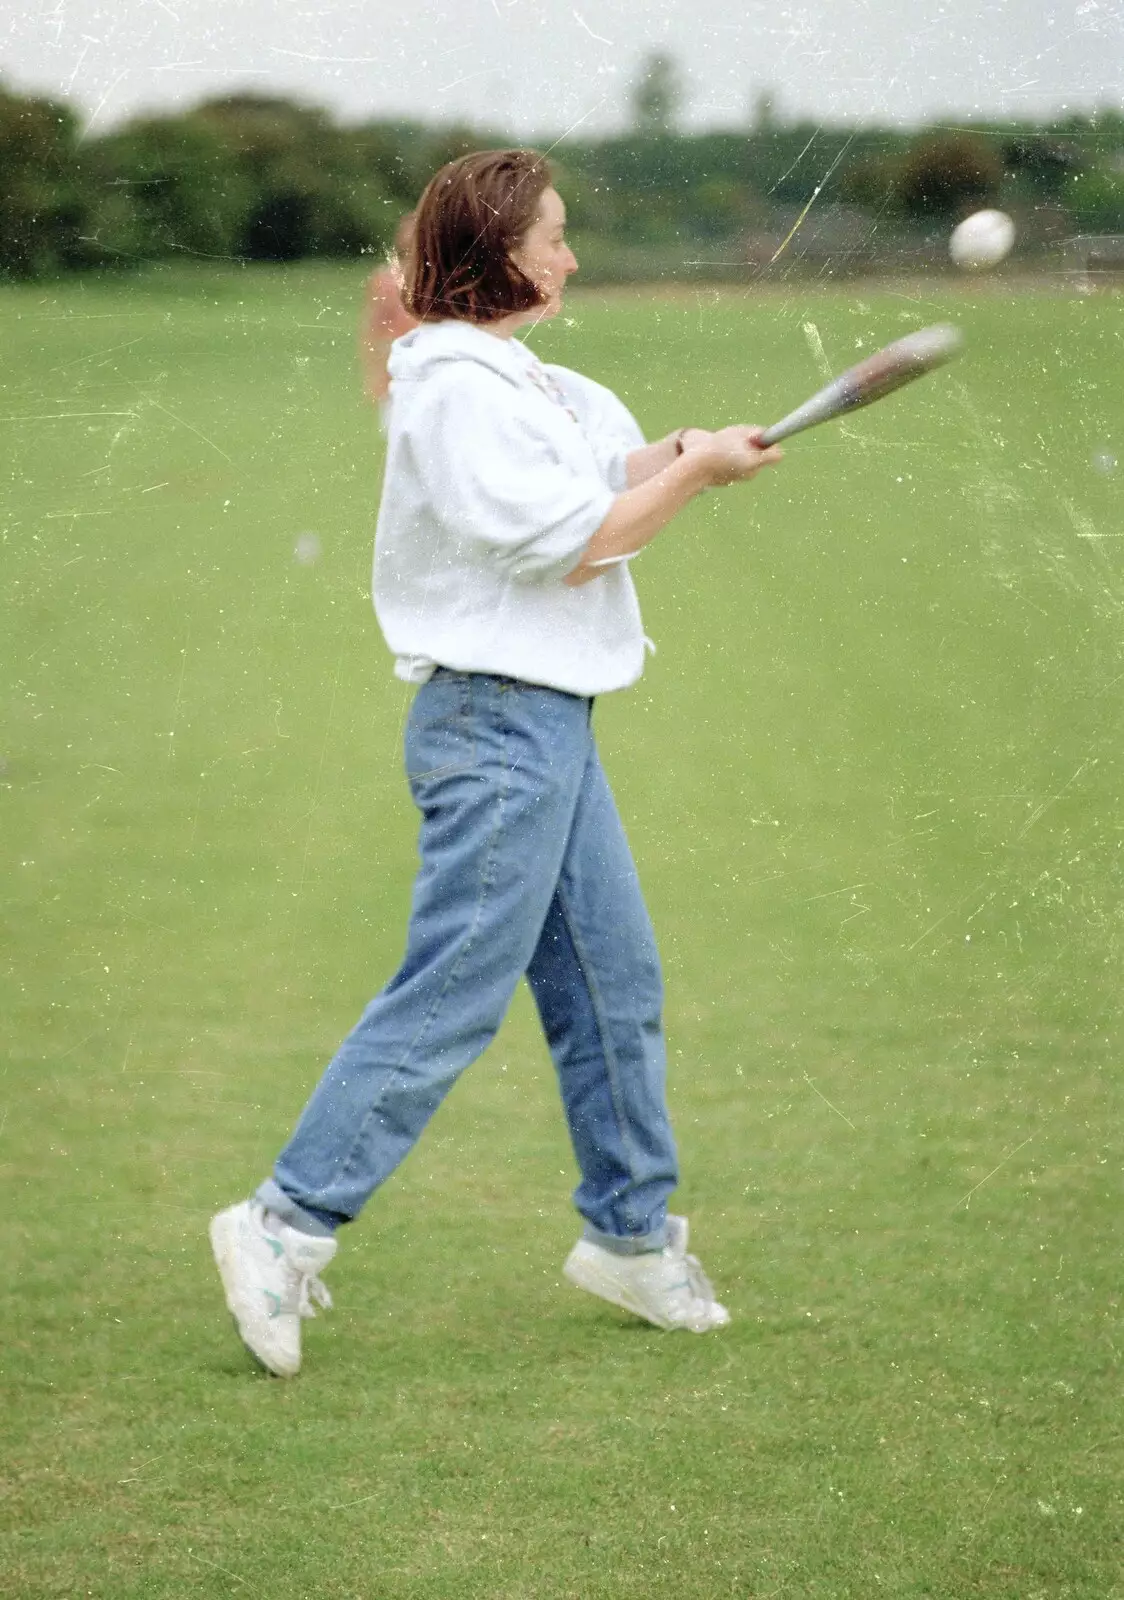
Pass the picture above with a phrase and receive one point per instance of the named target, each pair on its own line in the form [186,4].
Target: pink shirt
[385,319]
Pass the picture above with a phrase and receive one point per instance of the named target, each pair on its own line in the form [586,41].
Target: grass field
[873,781]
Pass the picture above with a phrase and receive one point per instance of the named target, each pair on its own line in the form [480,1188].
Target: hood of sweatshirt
[420,353]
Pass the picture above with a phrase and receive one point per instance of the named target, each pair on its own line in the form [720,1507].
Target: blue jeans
[525,868]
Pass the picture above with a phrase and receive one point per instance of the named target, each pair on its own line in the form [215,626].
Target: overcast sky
[544,66]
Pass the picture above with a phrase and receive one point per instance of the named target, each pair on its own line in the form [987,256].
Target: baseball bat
[879,375]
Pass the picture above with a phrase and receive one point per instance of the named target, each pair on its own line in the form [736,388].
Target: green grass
[873,782]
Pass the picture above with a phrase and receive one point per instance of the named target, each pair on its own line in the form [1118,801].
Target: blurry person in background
[385,319]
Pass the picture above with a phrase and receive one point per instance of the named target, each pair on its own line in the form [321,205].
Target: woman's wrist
[684,440]
[692,467]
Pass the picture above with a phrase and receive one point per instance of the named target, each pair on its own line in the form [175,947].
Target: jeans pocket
[440,735]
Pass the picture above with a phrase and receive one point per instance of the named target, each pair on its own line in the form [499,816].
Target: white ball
[981,240]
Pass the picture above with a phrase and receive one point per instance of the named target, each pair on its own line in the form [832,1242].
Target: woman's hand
[731,455]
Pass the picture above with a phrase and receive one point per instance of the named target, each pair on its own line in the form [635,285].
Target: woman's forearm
[637,515]
[709,460]
[644,463]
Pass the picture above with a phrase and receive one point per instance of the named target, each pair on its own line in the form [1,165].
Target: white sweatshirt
[498,473]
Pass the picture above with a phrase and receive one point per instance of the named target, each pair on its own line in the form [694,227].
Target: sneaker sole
[223,1231]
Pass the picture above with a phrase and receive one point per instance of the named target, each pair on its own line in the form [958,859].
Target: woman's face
[544,256]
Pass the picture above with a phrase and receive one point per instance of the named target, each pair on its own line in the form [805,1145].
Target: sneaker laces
[701,1286]
[312,1288]
[697,1281]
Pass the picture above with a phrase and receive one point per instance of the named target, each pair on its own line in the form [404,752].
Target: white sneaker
[667,1287]
[270,1276]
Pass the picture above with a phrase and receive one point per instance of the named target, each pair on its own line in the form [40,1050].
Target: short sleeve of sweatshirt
[610,427]
[496,476]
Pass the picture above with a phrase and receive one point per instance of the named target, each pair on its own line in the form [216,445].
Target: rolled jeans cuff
[636,1244]
[273,1198]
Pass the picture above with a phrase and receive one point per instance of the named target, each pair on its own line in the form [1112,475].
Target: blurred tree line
[261,178]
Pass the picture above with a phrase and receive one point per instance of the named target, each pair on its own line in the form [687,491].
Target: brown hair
[472,214]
